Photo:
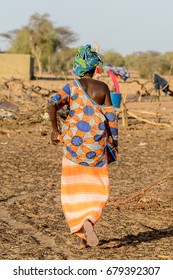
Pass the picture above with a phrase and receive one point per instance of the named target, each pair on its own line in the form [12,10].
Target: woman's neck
[87,75]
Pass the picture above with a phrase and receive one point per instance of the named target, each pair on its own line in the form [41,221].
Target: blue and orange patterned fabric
[84,132]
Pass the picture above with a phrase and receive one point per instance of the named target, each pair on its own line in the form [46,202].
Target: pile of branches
[27,90]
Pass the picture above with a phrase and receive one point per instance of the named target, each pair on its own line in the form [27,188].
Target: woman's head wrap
[85,60]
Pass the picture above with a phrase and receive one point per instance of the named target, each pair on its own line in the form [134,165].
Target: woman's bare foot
[92,239]
[81,243]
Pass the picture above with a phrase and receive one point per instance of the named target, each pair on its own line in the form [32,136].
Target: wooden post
[124,111]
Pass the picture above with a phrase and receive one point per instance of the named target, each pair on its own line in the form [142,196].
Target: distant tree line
[51,48]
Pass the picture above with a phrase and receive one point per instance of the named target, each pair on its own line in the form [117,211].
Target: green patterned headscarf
[85,60]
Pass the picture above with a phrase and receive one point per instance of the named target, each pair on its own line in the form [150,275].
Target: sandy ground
[137,222]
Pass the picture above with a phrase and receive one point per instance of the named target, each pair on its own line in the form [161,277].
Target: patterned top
[85,132]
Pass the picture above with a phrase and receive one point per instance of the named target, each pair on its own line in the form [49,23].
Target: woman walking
[88,129]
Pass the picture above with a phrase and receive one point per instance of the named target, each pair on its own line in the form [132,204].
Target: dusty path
[31,219]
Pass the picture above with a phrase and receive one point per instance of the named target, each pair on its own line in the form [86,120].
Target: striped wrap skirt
[84,193]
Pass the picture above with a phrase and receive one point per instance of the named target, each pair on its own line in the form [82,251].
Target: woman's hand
[54,137]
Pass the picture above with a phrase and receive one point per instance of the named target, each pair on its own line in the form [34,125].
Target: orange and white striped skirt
[84,193]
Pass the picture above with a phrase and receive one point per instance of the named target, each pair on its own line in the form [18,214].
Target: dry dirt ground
[137,222]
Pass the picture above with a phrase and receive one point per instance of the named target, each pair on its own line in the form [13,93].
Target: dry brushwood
[138,194]
[143,89]
[44,92]
[147,121]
